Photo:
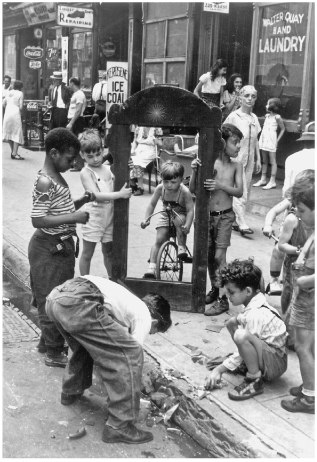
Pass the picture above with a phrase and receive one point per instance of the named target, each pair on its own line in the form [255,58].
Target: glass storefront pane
[155,40]
[153,74]
[82,59]
[177,38]
[176,74]
[9,58]
[53,55]
[157,10]
[280,57]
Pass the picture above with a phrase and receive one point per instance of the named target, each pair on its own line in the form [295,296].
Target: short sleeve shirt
[78,97]
[211,86]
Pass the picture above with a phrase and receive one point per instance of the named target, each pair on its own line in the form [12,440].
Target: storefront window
[9,58]
[166,46]
[53,54]
[82,59]
[280,57]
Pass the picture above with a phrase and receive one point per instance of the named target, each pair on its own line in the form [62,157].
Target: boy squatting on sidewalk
[259,332]
[105,324]
[226,184]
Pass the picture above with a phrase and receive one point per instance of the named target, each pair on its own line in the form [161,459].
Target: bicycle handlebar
[168,210]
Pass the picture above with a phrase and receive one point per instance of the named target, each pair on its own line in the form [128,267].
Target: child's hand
[144,224]
[258,166]
[81,217]
[130,164]
[302,284]
[268,231]
[211,185]
[185,229]
[89,196]
[195,164]
[213,379]
[125,193]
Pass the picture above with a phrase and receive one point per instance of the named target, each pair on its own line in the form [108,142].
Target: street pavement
[260,422]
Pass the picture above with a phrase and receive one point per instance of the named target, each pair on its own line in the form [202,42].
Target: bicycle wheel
[168,266]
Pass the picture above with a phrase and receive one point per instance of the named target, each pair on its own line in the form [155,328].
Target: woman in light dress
[12,123]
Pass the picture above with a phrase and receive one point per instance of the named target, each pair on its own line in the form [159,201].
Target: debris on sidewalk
[79,434]
[169,413]
[215,327]
[174,430]
[214,362]
[64,423]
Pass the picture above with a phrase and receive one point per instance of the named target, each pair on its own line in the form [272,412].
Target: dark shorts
[274,364]
[220,229]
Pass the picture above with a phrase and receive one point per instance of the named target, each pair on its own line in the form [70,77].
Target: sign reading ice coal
[70,16]
[33,52]
[117,84]
[217,7]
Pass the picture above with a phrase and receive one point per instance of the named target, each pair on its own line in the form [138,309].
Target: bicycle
[169,266]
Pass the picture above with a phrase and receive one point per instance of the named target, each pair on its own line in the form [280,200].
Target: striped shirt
[57,201]
[264,324]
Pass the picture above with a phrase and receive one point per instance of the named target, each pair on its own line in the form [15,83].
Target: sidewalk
[259,423]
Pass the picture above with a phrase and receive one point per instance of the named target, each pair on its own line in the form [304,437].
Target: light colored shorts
[99,227]
[274,364]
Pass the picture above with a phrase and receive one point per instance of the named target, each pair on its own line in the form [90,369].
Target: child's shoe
[247,389]
[260,183]
[59,360]
[221,305]
[270,185]
[182,253]
[296,391]
[149,275]
[299,404]
[139,192]
[212,296]
[274,288]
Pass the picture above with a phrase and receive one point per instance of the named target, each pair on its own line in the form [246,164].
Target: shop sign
[283,31]
[32,106]
[108,49]
[38,33]
[33,52]
[35,64]
[74,17]
[42,12]
[117,84]
[217,7]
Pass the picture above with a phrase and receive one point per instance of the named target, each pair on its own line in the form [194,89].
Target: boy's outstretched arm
[193,178]
[153,201]
[272,214]
[90,185]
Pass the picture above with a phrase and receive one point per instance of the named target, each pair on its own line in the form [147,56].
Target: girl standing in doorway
[211,84]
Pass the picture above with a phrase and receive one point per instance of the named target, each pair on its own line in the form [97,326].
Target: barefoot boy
[226,184]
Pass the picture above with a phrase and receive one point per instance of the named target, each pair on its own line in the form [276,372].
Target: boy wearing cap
[59,97]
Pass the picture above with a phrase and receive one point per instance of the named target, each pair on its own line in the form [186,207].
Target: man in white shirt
[99,94]
[104,323]
[301,160]
[59,96]
[76,120]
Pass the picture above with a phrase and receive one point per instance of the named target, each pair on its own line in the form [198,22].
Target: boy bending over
[259,332]
[226,184]
[174,194]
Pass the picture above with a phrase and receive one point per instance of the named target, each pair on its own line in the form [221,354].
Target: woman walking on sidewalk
[12,123]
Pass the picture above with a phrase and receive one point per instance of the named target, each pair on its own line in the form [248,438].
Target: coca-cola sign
[32,106]
[33,52]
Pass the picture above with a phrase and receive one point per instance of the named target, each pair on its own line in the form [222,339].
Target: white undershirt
[128,309]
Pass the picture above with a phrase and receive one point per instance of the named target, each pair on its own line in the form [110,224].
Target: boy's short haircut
[75,81]
[228,130]
[275,105]
[171,170]
[308,174]
[303,190]
[61,139]
[242,273]
[160,310]
[90,139]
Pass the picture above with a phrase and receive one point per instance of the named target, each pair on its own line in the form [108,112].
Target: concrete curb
[195,418]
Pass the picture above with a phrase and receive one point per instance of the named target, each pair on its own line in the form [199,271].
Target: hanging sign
[71,16]
[108,49]
[65,59]
[35,64]
[117,84]
[38,33]
[33,52]
[217,7]
[39,13]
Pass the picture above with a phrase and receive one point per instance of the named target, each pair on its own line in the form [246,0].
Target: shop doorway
[30,77]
